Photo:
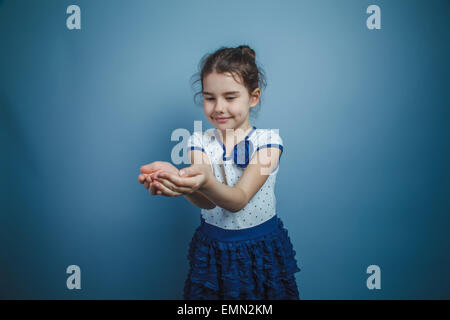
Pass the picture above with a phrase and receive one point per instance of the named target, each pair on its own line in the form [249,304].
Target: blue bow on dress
[241,151]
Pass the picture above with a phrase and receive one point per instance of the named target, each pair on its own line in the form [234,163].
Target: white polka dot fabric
[227,170]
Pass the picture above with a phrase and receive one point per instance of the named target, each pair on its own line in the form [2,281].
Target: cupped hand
[148,170]
[186,181]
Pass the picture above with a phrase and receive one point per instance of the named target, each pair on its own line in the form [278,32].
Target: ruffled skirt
[253,263]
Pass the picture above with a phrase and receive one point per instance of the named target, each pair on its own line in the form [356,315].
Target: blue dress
[254,263]
[246,254]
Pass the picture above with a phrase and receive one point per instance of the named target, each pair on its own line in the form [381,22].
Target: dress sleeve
[195,141]
[270,139]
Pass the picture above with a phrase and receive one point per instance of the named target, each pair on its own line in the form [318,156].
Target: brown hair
[240,61]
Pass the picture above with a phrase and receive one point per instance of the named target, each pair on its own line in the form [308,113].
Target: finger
[146,184]
[153,175]
[168,184]
[152,189]
[148,168]
[162,189]
[189,171]
[141,178]
[187,182]
[152,167]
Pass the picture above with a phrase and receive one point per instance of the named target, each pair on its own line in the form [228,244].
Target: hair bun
[247,50]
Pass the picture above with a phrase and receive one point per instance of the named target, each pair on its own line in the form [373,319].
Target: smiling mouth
[222,120]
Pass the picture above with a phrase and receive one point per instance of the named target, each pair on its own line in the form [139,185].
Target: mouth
[222,120]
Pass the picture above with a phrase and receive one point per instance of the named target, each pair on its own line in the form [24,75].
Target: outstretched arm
[199,178]
[157,185]
[197,198]
[255,175]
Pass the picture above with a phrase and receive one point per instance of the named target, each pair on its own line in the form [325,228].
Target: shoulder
[201,137]
[200,140]
[267,138]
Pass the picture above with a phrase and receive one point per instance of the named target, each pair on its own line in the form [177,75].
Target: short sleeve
[195,141]
[269,139]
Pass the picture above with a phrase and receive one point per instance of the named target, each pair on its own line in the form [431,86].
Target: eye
[228,98]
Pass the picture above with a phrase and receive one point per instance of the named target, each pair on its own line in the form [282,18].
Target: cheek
[208,109]
[236,109]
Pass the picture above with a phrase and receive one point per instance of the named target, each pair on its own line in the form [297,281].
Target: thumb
[188,171]
[148,168]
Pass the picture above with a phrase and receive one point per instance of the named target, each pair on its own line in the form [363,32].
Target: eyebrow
[228,92]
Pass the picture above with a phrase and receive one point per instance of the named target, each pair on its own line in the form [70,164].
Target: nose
[219,107]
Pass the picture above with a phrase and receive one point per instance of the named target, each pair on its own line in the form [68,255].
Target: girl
[241,249]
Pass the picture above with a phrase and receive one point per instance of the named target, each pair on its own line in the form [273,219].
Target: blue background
[364,115]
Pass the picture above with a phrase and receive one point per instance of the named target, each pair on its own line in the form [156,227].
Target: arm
[199,177]
[230,198]
[197,198]
[255,175]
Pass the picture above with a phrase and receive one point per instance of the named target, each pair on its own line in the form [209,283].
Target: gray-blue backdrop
[364,115]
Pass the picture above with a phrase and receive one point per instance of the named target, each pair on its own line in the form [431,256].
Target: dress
[247,254]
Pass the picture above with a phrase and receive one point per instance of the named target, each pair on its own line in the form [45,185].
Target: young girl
[241,249]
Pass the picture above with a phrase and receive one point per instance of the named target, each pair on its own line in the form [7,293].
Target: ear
[254,97]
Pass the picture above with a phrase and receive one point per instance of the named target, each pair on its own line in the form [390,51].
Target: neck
[236,134]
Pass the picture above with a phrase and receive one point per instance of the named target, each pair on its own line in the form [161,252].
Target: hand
[195,177]
[150,169]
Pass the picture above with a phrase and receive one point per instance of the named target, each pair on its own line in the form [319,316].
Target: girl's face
[227,103]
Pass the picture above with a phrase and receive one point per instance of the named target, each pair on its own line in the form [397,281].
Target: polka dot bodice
[228,170]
